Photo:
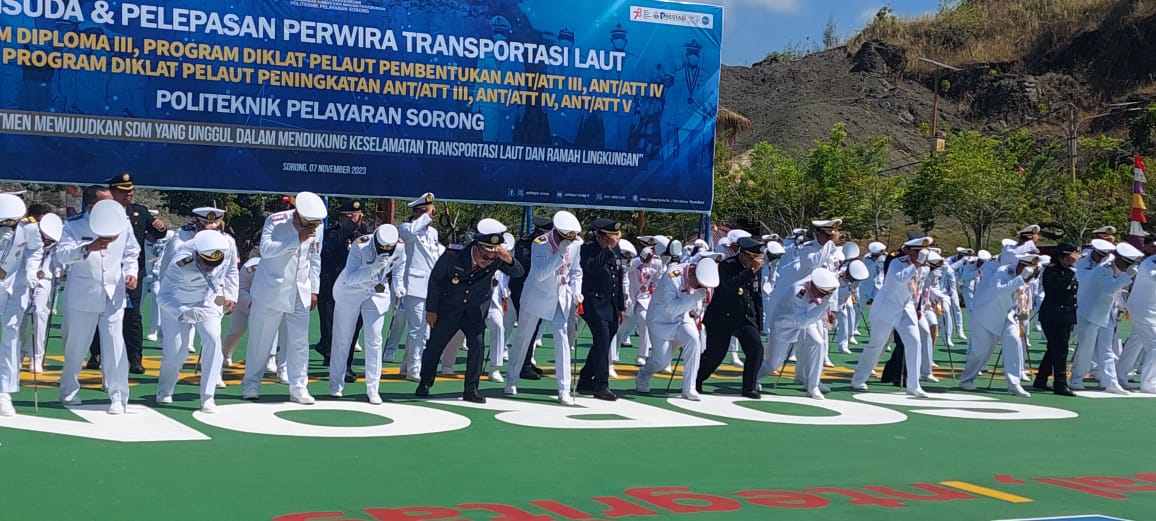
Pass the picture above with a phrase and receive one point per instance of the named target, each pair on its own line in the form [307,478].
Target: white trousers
[418,333]
[79,326]
[496,323]
[881,331]
[954,321]
[397,329]
[238,324]
[12,314]
[523,341]
[175,354]
[645,343]
[981,344]
[1097,344]
[662,351]
[263,325]
[345,313]
[811,349]
[34,330]
[845,325]
[154,319]
[1141,345]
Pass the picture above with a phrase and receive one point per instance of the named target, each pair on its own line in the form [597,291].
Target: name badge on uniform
[220,301]
[380,288]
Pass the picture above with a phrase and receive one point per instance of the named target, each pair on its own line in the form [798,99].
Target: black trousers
[718,342]
[1058,333]
[325,305]
[132,329]
[473,326]
[595,374]
[526,364]
[897,364]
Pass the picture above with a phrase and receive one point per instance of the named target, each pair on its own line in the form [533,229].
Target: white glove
[922,257]
[399,290]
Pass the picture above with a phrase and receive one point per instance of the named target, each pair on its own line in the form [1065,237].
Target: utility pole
[1072,140]
[935,101]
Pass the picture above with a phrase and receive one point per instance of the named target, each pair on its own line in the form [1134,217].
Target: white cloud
[779,6]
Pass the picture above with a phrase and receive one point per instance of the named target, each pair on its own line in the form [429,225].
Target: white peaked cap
[858,270]
[933,257]
[566,222]
[1045,260]
[425,198]
[13,207]
[735,235]
[386,235]
[508,241]
[51,226]
[208,212]
[921,242]
[851,250]
[1128,252]
[1007,242]
[1103,246]
[107,219]
[311,207]
[725,241]
[626,247]
[828,223]
[706,272]
[699,243]
[876,248]
[1031,228]
[771,237]
[774,248]
[984,255]
[209,241]
[487,226]
[798,232]
[1110,230]
[822,278]
[675,248]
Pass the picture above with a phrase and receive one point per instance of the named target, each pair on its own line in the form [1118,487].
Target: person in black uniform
[460,287]
[736,310]
[603,304]
[1057,317]
[542,225]
[143,225]
[334,252]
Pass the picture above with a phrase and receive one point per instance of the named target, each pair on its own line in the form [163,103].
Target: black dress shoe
[605,394]
[473,397]
[324,360]
[350,377]
[537,369]
[754,395]
[529,374]
[1042,387]
[586,391]
[422,390]
[1064,391]
[136,369]
[93,363]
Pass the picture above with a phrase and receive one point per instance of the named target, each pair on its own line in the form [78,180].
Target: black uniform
[1057,317]
[735,310]
[602,303]
[334,253]
[132,328]
[459,293]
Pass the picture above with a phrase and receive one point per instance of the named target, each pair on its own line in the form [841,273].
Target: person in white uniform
[798,324]
[204,218]
[969,278]
[239,320]
[1098,317]
[552,293]
[285,289]
[43,268]
[1141,343]
[894,311]
[997,321]
[363,289]
[496,315]
[640,277]
[422,250]
[100,252]
[153,255]
[673,319]
[14,286]
[851,277]
[192,296]
[774,254]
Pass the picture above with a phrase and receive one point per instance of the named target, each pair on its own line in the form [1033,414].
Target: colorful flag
[1136,231]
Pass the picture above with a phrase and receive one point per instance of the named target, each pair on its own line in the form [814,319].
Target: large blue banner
[604,103]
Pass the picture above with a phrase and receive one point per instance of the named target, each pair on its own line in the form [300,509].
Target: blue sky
[754,28]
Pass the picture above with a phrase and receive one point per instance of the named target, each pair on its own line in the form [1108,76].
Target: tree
[1100,195]
[979,181]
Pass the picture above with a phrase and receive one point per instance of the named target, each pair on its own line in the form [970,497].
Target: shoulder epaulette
[189,227]
[363,239]
[75,217]
[184,261]
[675,273]
[28,220]
[541,240]
[456,247]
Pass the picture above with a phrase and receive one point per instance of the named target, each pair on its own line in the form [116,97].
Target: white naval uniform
[153,258]
[894,311]
[770,279]
[846,309]
[807,257]
[995,322]
[239,318]
[186,286]
[496,319]
[421,252]
[18,246]
[177,243]
[355,294]
[969,278]
[798,324]
[94,301]
[1096,317]
[640,278]
[552,292]
[1142,342]
[952,313]
[670,322]
[285,280]
[934,302]
[43,270]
